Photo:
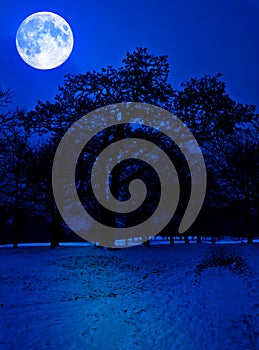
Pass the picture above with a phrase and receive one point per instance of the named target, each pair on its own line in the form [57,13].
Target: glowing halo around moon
[44,40]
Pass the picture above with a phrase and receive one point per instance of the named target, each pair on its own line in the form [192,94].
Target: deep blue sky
[199,36]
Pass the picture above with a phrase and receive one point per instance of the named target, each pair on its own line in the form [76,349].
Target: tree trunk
[249,228]
[247,218]
[56,228]
[16,215]
[186,239]
[147,243]
[16,228]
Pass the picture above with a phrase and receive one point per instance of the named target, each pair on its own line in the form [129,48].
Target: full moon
[44,40]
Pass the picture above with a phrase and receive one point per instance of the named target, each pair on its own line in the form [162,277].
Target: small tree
[6,97]
[14,166]
[236,164]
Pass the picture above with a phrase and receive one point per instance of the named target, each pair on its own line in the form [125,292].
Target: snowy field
[164,297]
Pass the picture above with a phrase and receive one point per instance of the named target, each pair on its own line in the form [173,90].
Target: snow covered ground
[164,297]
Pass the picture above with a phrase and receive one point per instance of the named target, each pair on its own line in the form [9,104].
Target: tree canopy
[226,130]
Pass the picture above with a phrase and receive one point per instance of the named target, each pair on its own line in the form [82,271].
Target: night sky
[199,36]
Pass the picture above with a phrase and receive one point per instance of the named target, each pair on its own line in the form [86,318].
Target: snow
[154,241]
[196,296]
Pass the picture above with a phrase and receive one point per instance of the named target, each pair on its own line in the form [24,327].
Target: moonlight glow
[44,40]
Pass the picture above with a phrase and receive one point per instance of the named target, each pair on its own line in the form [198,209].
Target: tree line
[227,132]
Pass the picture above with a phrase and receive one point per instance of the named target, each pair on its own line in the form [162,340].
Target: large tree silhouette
[142,77]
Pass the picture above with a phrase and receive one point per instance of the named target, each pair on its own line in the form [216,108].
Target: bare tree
[6,97]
